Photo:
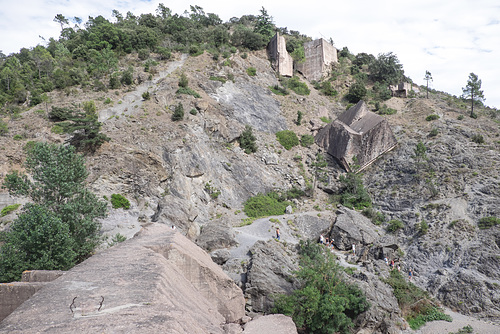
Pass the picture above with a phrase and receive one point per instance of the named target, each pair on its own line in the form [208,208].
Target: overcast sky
[449,38]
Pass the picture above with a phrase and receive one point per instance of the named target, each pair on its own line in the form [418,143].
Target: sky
[448,38]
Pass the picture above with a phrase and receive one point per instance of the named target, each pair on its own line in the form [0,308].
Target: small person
[278,234]
[321,239]
[410,274]
[392,264]
[399,268]
[386,261]
[354,249]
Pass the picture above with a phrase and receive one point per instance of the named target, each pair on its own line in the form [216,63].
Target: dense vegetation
[59,228]
[325,302]
[271,204]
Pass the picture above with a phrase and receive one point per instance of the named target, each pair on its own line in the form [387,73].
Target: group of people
[325,241]
[393,266]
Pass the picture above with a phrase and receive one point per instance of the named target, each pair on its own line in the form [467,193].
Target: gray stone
[271,324]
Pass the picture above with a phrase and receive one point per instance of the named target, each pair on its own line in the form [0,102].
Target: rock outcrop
[158,281]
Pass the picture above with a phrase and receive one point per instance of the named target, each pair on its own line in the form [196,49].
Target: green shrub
[193,111]
[108,101]
[248,141]
[306,140]
[263,205]
[8,209]
[119,201]
[423,227]
[244,55]
[299,117]
[415,303]
[178,112]
[460,117]
[394,225]
[434,132]
[57,129]
[432,117]
[251,71]
[211,190]
[117,238]
[287,138]
[183,81]
[188,91]
[278,90]
[18,137]
[376,217]
[478,139]
[221,79]
[325,119]
[324,302]
[488,222]
[146,95]
[3,128]
[384,110]
[297,86]
[143,54]
[354,194]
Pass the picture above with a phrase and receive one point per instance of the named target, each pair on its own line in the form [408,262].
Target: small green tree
[324,302]
[428,77]
[57,183]
[178,114]
[248,140]
[299,117]
[183,81]
[264,25]
[38,239]
[386,68]
[357,92]
[473,91]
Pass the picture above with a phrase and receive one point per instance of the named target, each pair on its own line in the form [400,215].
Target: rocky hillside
[193,174]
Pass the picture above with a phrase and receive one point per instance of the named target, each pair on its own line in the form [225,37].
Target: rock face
[157,282]
[270,272]
[275,324]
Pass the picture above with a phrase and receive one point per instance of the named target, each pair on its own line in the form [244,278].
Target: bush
[188,91]
[3,128]
[299,117]
[263,205]
[460,117]
[432,117]
[434,132]
[127,77]
[146,95]
[384,110]
[297,86]
[276,89]
[488,222]
[394,225]
[287,138]
[178,112]
[354,195]
[306,140]
[423,227]
[143,54]
[183,81]
[478,139]
[376,217]
[193,111]
[119,201]
[251,71]
[248,141]
[8,209]
[324,302]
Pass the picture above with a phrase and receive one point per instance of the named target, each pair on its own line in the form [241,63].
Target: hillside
[193,174]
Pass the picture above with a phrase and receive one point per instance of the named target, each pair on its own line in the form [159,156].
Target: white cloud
[448,38]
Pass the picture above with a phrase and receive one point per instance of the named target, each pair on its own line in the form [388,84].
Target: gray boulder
[269,273]
[273,323]
[352,227]
[216,234]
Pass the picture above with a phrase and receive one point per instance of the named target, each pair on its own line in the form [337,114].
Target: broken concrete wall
[281,61]
[319,55]
[403,89]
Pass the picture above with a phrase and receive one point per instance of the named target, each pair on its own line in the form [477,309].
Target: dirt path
[133,100]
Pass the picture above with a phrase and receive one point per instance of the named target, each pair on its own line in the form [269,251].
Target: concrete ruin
[281,61]
[357,137]
[319,56]
[403,89]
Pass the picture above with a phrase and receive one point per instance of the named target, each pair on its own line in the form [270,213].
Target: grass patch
[488,222]
[188,91]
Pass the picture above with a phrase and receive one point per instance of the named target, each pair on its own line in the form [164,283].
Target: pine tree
[473,91]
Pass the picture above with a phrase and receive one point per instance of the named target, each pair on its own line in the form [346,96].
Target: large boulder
[274,323]
[215,235]
[157,282]
[270,273]
[352,227]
